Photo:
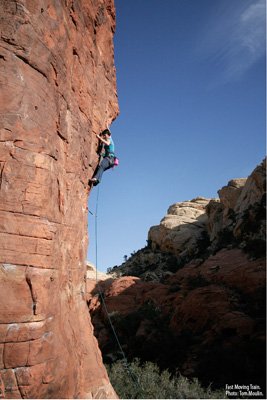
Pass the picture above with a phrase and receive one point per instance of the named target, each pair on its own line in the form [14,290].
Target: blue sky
[191,87]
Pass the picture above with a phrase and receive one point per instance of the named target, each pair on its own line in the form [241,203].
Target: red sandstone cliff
[58,89]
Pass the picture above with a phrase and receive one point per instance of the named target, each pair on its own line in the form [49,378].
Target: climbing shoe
[94,181]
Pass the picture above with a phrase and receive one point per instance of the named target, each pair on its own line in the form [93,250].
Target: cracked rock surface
[58,88]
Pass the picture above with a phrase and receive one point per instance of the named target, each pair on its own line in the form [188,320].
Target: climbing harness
[124,359]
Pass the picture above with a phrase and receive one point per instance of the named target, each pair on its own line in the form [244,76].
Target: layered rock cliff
[197,300]
[58,90]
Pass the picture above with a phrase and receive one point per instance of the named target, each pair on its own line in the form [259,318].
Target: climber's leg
[103,166]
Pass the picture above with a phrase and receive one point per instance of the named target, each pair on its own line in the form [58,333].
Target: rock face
[239,217]
[206,320]
[182,228]
[199,228]
[181,235]
[93,276]
[58,91]
[203,310]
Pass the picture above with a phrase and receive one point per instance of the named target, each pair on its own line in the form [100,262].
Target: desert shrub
[136,381]
[196,281]
[114,315]
[174,288]
[255,247]
[127,325]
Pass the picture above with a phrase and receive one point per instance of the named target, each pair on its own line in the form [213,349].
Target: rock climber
[108,156]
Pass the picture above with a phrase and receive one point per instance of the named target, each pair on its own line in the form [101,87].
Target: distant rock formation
[181,229]
[239,218]
[199,228]
[197,300]
[58,90]
[92,273]
[93,276]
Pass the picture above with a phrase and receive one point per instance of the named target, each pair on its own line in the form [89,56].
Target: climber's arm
[105,141]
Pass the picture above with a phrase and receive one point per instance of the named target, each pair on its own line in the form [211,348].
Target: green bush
[136,381]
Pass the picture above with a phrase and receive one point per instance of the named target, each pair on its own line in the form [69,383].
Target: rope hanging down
[125,362]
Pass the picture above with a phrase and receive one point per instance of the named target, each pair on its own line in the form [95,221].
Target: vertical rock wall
[58,89]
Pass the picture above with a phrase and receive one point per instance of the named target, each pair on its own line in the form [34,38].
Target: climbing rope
[124,359]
